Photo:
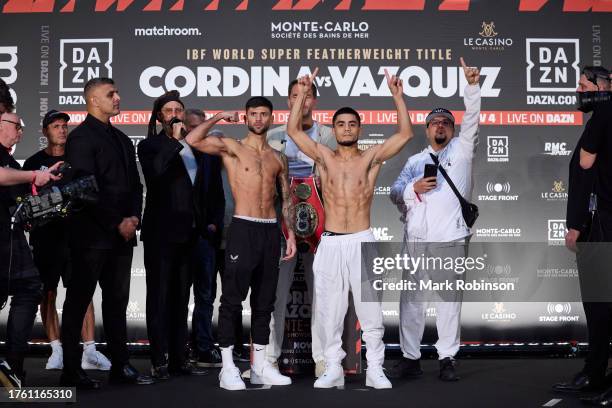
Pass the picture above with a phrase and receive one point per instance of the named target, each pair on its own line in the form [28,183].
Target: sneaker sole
[255,380]
[384,387]
[233,387]
[88,366]
[337,384]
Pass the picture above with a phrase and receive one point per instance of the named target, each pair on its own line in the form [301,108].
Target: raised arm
[199,140]
[294,126]
[471,98]
[395,143]
[287,206]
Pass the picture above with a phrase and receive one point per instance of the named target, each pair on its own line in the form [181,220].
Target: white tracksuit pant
[277,324]
[448,312]
[337,269]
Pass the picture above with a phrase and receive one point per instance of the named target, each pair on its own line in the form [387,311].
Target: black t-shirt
[52,235]
[598,140]
[22,265]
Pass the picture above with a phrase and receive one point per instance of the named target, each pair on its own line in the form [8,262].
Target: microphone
[174,121]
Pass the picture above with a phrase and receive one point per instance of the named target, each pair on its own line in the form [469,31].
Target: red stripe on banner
[382,117]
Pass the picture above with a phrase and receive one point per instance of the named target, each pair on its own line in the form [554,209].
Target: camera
[54,202]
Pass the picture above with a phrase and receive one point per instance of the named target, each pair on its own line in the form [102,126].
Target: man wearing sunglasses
[433,214]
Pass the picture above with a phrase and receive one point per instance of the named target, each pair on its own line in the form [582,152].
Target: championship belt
[309,214]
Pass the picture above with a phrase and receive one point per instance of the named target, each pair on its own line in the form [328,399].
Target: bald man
[102,235]
[21,281]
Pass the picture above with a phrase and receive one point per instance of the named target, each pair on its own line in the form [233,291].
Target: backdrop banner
[218,54]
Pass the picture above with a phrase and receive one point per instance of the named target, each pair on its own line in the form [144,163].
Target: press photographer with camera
[18,275]
[51,252]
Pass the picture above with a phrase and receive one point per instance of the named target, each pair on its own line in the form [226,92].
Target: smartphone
[431,170]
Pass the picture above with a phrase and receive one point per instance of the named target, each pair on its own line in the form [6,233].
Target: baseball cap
[54,115]
[439,112]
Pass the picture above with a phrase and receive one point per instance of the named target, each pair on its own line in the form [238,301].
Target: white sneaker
[269,375]
[95,361]
[319,368]
[56,360]
[229,379]
[332,377]
[376,378]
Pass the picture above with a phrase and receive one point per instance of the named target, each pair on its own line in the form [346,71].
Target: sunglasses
[18,125]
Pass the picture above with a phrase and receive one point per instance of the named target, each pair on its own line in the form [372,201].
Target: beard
[347,143]
[440,139]
[258,132]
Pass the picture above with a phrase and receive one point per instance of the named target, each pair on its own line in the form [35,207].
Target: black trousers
[112,268]
[25,296]
[238,332]
[251,261]
[169,268]
[594,263]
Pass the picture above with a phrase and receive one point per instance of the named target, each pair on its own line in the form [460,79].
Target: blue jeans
[204,293]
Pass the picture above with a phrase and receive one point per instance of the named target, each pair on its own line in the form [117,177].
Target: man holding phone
[432,213]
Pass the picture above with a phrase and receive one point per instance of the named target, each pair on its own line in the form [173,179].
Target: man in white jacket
[432,214]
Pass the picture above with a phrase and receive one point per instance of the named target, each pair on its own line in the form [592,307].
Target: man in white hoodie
[432,214]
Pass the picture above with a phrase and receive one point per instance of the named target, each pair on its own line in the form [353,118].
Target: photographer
[52,255]
[18,275]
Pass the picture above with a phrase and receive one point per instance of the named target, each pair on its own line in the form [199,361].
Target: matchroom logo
[552,64]
[83,59]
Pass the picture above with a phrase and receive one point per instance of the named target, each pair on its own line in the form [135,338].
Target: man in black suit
[583,223]
[175,219]
[102,235]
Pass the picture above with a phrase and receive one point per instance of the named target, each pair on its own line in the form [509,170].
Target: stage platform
[485,382]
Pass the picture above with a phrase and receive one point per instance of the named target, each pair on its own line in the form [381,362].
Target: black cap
[439,112]
[54,115]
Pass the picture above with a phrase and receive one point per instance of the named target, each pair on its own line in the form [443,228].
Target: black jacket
[22,265]
[582,182]
[173,204]
[100,149]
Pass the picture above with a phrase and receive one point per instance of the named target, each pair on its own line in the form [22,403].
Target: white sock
[226,357]
[259,356]
[56,346]
[89,346]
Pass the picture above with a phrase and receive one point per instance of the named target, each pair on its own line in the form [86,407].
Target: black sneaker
[160,372]
[186,369]
[210,359]
[406,368]
[8,378]
[447,370]
[242,354]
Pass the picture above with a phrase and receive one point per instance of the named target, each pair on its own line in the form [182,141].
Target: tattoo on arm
[288,208]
